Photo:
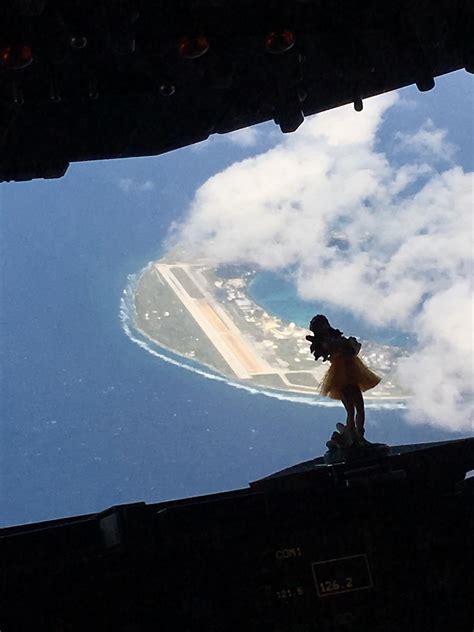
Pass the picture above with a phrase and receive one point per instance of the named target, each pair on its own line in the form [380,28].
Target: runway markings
[238,353]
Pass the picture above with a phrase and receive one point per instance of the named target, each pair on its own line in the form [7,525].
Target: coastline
[390,402]
[210,322]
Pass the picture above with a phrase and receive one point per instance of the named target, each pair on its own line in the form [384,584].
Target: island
[204,313]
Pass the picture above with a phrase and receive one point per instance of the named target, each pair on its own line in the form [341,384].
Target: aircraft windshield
[154,310]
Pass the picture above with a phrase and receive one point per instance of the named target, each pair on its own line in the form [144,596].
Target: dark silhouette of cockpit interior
[94,79]
[380,544]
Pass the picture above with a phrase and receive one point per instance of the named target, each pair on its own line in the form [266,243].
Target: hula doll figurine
[346,378]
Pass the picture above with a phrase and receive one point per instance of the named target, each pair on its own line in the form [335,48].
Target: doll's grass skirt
[344,370]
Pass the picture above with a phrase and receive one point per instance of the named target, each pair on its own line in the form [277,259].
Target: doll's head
[321,327]
[319,324]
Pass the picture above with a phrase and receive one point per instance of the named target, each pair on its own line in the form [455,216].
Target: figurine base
[350,445]
[356,452]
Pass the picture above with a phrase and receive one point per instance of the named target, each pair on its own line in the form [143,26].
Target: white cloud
[130,184]
[441,368]
[428,141]
[246,137]
[408,230]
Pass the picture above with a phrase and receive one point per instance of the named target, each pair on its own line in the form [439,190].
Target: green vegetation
[170,324]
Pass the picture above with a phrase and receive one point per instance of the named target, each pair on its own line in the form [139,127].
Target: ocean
[90,419]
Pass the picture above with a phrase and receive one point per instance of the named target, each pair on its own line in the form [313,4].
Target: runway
[238,353]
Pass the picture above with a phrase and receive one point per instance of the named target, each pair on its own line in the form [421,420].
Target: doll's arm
[355,345]
[349,346]
[318,348]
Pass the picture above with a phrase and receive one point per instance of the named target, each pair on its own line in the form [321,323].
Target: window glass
[154,311]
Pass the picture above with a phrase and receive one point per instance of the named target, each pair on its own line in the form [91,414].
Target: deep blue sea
[88,418]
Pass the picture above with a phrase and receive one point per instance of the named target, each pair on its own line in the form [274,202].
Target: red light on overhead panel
[193,47]
[279,41]
[16,57]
